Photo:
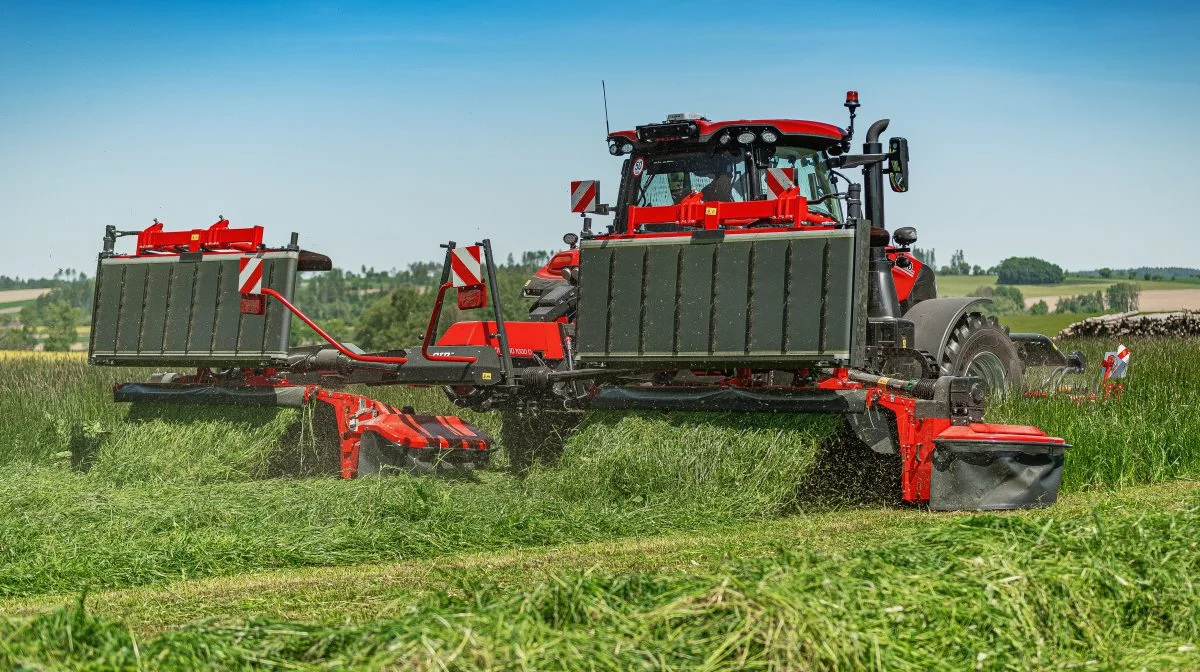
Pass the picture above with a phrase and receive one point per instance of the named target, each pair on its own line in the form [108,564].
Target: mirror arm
[856,160]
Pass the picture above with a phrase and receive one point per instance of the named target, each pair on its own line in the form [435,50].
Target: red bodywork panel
[993,433]
[693,211]
[357,415]
[553,269]
[525,339]
[904,278]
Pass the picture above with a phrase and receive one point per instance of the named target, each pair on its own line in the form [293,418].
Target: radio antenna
[604,91]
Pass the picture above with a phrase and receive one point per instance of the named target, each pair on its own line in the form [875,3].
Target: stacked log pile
[1178,325]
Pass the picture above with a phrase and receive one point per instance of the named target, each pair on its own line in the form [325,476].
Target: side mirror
[897,167]
[474,296]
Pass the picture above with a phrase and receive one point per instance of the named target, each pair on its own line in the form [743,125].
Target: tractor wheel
[981,348]
[534,437]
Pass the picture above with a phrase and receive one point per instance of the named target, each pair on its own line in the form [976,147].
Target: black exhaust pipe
[882,301]
[873,174]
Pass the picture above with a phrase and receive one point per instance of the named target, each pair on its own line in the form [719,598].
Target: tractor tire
[980,347]
[534,438]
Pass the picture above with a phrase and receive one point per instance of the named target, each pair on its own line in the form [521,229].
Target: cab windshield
[726,176]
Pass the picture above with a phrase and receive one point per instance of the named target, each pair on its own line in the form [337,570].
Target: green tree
[1039,308]
[16,338]
[1028,271]
[60,319]
[1005,300]
[958,265]
[395,321]
[1083,303]
[1122,296]
[1105,272]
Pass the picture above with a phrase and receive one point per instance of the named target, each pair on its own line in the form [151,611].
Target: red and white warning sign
[250,274]
[1116,364]
[780,180]
[585,195]
[465,266]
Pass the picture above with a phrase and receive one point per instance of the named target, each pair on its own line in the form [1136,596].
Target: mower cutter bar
[172,393]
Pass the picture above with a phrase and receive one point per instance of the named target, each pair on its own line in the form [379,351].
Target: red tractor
[743,271]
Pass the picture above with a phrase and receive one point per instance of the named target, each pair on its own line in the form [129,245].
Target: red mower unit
[743,271]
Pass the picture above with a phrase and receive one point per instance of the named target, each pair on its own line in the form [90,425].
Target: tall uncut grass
[1150,434]
[183,493]
[1107,591]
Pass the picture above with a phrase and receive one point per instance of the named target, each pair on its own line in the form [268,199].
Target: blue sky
[378,130]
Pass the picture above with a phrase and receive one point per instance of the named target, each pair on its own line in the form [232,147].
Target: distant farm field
[20,295]
[1156,294]
[684,541]
[13,300]
[1050,324]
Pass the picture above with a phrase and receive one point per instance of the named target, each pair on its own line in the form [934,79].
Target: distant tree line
[958,263]
[1118,298]
[7,283]
[1147,273]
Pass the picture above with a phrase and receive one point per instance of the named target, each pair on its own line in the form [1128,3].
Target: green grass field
[682,541]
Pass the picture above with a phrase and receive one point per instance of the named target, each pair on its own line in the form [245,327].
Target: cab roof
[816,132]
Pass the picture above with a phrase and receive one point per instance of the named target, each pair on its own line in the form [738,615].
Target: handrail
[374,359]
[429,331]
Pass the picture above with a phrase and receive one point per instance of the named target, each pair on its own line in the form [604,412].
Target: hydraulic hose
[920,388]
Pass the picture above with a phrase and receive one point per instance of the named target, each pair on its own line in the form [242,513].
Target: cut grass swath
[1103,590]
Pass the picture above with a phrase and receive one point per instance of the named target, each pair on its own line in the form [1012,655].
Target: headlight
[746,137]
[724,139]
[769,136]
[614,149]
[627,148]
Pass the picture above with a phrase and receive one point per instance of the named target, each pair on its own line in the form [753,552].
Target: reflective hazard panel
[465,266]
[585,195]
[780,180]
[1120,361]
[250,274]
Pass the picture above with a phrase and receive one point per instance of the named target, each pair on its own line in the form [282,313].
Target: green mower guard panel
[785,299]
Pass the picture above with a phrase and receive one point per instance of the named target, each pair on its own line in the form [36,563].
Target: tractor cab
[687,158]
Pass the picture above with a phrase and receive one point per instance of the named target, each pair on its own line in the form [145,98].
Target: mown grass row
[1106,590]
